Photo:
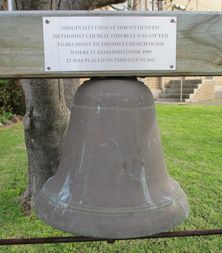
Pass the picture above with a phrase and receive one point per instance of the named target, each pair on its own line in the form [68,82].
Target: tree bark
[45,123]
[48,104]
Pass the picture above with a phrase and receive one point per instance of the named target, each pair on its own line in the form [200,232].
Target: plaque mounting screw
[171,66]
[172,20]
[48,68]
[47,21]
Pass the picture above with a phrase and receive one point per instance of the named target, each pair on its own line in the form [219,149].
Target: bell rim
[113,211]
[55,219]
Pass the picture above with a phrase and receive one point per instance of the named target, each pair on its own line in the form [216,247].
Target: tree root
[25,201]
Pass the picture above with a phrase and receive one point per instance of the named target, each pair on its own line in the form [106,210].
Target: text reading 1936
[109,43]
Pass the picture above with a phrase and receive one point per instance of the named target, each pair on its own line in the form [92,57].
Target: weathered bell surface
[112,181]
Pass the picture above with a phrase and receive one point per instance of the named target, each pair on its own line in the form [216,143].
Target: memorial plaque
[109,43]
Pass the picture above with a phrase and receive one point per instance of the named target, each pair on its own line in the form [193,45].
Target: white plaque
[109,43]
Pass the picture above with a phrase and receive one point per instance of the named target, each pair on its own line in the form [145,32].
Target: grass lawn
[192,140]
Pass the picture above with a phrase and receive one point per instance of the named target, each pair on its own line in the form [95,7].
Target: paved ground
[211,102]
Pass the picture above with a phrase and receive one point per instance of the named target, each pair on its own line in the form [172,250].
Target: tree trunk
[45,126]
[47,107]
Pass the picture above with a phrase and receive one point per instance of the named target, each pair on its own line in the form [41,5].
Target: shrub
[5,116]
[10,98]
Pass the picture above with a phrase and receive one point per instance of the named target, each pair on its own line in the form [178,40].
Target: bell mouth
[115,222]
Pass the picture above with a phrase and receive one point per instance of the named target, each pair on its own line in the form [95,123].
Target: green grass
[192,140]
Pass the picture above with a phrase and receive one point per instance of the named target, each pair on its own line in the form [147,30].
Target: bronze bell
[112,181]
